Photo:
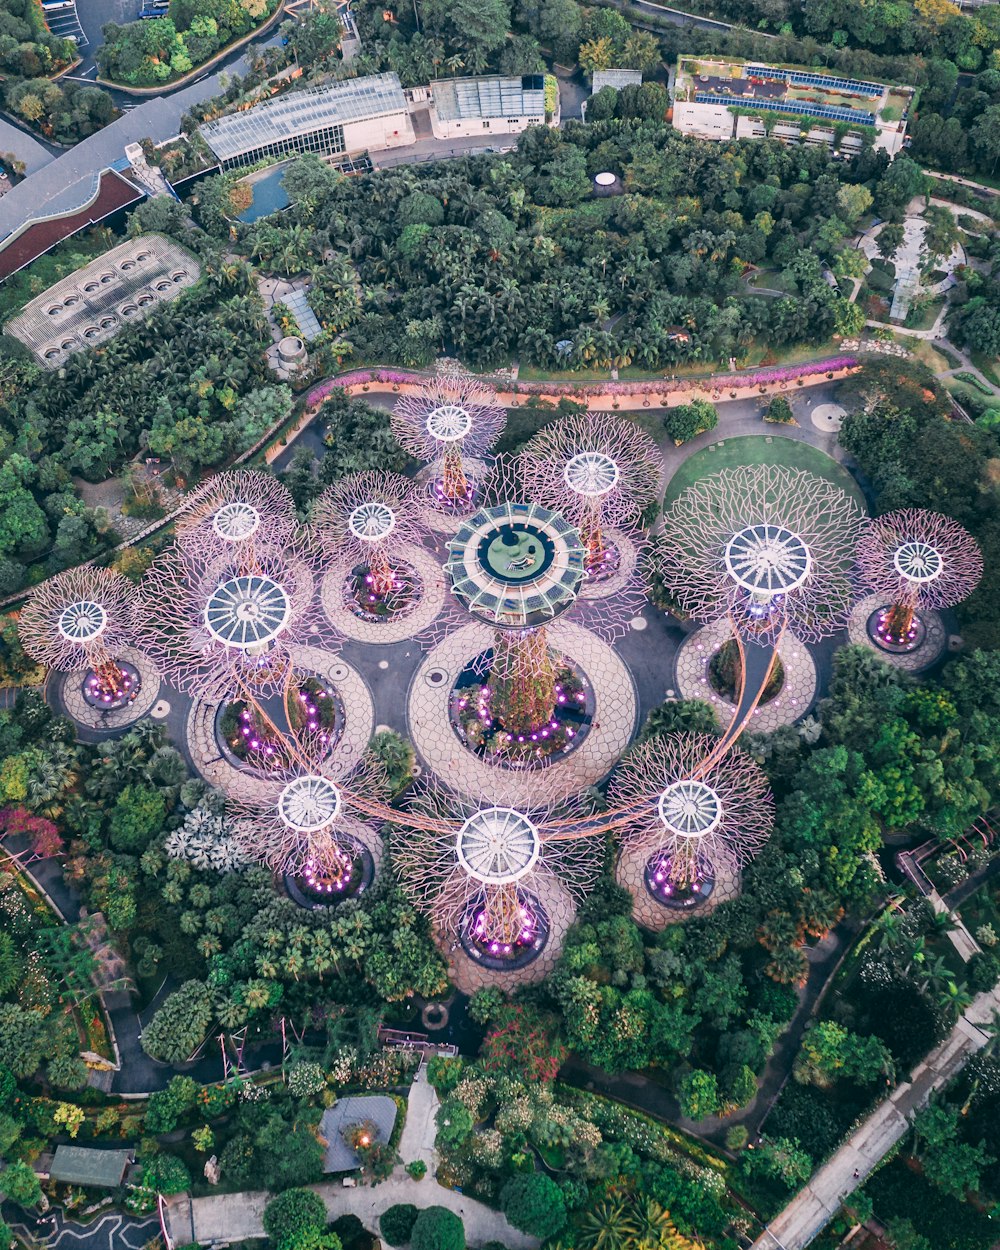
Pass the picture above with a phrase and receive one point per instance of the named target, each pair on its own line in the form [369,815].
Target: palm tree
[606,1226]
[954,998]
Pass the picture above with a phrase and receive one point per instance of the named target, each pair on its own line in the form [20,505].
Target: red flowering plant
[523,1043]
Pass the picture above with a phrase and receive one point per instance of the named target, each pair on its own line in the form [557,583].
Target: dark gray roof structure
[82,1165]
[380,1109]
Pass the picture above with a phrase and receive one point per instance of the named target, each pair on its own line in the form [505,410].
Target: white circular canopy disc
[767,560]
[372,522]
[606,179]
[448,423]
[498,846]
[690,809]
[236,522]
[309,803]
[82,621]
[918,562]
[591,474]
[247,612]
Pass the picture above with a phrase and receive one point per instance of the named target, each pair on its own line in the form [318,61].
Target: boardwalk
[814,1206]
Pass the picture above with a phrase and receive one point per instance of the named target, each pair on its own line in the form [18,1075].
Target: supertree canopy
[918,560]
[496,877]
[767,546]
[298,823]
[213,625]
[599,471]
[694,814]
[516,567]
[368,519]
[235,515]
[448,423]
[81,620]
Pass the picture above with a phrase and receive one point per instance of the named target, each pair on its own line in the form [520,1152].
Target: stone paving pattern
[441,750]
[929,652]
[630,871]
[81,711]
[790,705]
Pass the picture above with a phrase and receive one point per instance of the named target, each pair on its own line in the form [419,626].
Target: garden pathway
[231,1218]
[420,1130]
[819,1201]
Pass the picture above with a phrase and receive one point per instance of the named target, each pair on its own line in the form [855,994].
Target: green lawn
[762,449]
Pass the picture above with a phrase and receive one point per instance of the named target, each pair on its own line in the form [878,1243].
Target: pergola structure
[599,470]
[450,423]
[919,561]
[693,819]
[769,547]
[235,516]
[81,621]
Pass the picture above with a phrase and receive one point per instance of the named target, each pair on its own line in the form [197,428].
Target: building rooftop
[95,302]
[616,78]
[82,1165]
[791,90]
[346,1112]
[460,98]
[300,112]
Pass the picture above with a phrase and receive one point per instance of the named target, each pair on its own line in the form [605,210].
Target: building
[83,1165]
[493,105]
[616,78]
[722,99]
[337,117]
[95,302]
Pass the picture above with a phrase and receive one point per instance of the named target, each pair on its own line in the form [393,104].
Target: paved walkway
[112,1231]
[814,1206]
[230,1218]
[420,1131]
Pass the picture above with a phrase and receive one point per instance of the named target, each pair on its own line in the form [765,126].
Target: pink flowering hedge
[715,382]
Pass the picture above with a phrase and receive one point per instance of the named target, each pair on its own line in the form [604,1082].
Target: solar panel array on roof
[803,78]
[300,112]
[797,107]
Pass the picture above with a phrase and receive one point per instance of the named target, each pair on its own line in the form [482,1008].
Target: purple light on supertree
[369,517]
[82,620]
[919,560]
[598,470]
[447,423]
[690,814]
[235,515]
[478,855]
[211,625]
[769,547]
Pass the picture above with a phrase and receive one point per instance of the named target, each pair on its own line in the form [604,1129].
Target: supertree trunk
[898,621]
[522,680]
[109,677]
[381,574]
[454,484]
[592,539]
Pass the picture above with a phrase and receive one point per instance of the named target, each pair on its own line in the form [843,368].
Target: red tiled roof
[114,192]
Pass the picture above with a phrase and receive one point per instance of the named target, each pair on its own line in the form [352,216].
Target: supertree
[82,620]
[369,519]
[298,823]
[919,560]
[214,627]
[518,567]
[235,515]
[768,547]
[499,879]
[599,471]
[692,817]
[447,423]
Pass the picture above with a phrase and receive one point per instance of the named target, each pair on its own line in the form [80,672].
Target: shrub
[737,1137]
[984,971]
[396,1223]
[417,1169]
[293,1213]
[687,421]
[437,1228]
[444,1074]
[534,1203]
[166,1173]
[779,411]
